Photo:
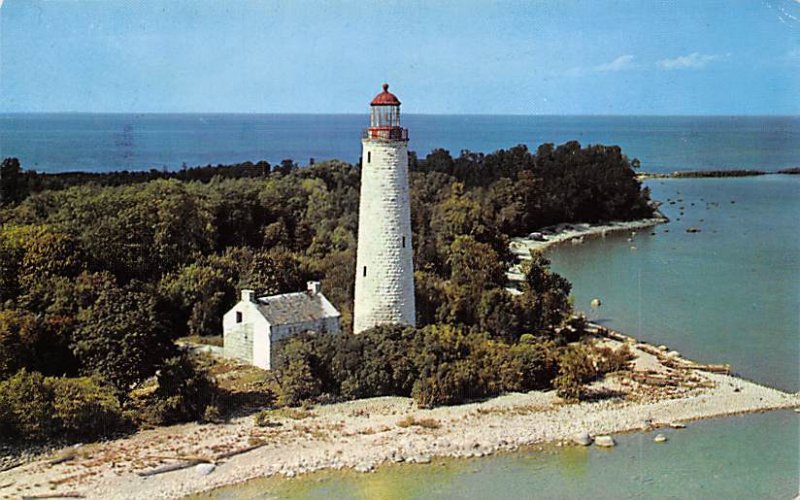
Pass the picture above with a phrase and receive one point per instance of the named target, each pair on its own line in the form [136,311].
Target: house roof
[297,307]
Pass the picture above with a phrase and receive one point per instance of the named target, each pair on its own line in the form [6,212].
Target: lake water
[101,142]
[747,457]
[730,293]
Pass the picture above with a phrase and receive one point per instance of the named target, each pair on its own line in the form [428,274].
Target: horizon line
[548,115]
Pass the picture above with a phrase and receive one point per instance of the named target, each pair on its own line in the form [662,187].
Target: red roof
[385,98]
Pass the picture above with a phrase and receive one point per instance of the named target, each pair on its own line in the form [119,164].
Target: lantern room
[384,118]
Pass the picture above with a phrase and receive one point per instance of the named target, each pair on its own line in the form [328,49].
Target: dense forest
[100,273]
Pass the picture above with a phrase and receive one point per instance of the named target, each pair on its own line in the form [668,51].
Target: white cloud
[695,60]
[618,64]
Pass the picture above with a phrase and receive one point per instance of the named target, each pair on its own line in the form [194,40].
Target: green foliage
[120,338]
[12,187]
[34,408]
[26,407]
[297,383]
[545,295]
[16,329]
[609,360]
[575,370]
[436,365]
[499,314]
[99,272]
[184,393]
[85,408]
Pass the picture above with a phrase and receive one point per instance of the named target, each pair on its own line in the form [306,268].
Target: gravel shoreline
[575,233]
[364,434]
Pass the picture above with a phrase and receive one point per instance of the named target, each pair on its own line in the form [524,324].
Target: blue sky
[465,56]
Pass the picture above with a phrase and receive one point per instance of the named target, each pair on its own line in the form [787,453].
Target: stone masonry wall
[384,293]
[238,342]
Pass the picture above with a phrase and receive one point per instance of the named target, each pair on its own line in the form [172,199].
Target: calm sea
[101,142]
[729,293]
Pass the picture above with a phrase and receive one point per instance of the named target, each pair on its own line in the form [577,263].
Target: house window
[365,270]
[369,156]
[238,317]
[404,241]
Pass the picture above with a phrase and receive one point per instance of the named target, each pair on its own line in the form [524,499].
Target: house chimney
[313,287]
[248,295]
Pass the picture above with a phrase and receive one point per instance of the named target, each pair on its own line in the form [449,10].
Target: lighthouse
[384,292]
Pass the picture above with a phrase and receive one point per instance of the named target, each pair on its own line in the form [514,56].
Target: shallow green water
[753,456]
[730,293]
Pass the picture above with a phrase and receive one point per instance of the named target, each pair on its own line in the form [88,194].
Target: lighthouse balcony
[385,133]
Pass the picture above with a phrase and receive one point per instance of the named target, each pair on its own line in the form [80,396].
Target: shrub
[575,370]
[34,408]
[427,423]
[85,408]
[452,383]
[26,407]
[212,415]
[537,363]
[183,393]
[297,384]
[608,360]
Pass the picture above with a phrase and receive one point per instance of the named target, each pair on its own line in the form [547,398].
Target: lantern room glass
[384,117]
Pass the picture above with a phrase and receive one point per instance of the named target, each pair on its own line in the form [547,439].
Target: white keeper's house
[253,326]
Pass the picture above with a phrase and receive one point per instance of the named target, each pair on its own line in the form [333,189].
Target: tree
[120,338]
[545,295]
[16,330]
[498,314]
[12,187]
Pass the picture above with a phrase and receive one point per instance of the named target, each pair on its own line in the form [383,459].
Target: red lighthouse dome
[384,118]
[385,98]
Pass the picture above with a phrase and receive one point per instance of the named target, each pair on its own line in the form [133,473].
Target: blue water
[728,294]
[102,142]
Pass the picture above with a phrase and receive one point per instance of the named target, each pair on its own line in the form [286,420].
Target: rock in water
[204,469]
[660,438]
[605,441]
[582,439]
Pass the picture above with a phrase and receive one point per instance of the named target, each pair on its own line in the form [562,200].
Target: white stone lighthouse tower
[384,265]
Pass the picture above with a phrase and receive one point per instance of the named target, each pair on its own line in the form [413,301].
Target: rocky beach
[661,390]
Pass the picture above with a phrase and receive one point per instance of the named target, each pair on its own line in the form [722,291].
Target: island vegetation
[101,273]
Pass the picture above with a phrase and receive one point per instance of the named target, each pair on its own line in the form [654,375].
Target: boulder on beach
[363,467]
[204,469]
[605,441]
[582,439]
[660,438]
